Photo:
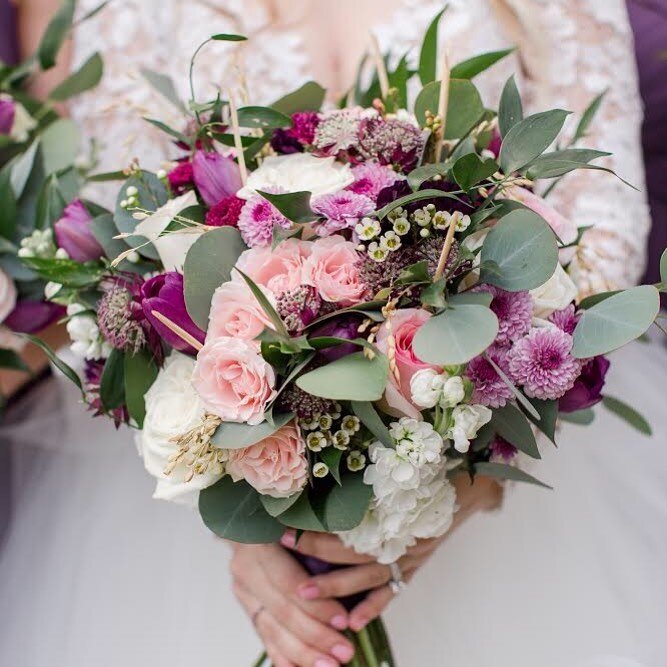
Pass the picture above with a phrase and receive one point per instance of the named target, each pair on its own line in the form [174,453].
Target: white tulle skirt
[95,572]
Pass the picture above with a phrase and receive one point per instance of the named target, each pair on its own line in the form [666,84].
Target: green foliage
[456,336]
[345,505]
[266,305]
[471,67]
[523,249]
[429,50]
[228,37]
[60,143]
[10,359]
[507,472]
[139,374]
[588,116]
[85,78]
[332,456]
[512,425]
[55,34]
[415,196]
[9,206]
[581,417]
[663,267]
[616,321]
[208,264]
[426,172]
[308,97]
[276,506]
[179,136]
[559,163]
[373,422]
[232,435]
[66,271]
[471,169]
[264,118]
[50,205]
[510,110]
[521,399]
[112,385]
[64,368]
[300,515]
[548,411]
[163,85]
[295,206]
[628,414]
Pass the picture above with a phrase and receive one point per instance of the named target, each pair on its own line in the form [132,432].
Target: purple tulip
[33,316]
[7,113]
[74,235]
[344,327]
[164,294]
[215,176]
[587,389]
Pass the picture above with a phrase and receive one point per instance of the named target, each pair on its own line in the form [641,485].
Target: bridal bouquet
[40,172]
[316,317]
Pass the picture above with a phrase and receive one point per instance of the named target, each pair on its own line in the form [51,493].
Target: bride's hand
[296,632]
[366,574]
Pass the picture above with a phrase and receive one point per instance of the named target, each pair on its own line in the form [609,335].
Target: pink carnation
[566,319]
[342,210]
[304,125]
[371,177]
[276,466]
[257,219]
[514,311]
[490,390]
[541,362]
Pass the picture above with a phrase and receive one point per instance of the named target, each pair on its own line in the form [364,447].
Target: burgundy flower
[587,389]
[285,143]
[304,125]
[215,176]
[392,142]
[501,450]
[164,294]
[7,113]
[73,233]
[181,177]
[339,327]
[225,213]
[92,380]
[33,316]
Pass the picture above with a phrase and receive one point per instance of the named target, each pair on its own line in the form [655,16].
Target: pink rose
[333,271]
[233,380]
[280,269]
[276,466]
[236,313]
[404,325]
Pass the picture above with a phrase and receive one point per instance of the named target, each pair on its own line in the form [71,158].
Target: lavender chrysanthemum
[566,319]
[342,210]
[514,311]
[541,362]
[490,390]
[371,177]
[257,219]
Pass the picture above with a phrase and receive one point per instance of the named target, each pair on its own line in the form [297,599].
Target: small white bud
[139,215]
[131,191]
[424,233]
[61,253]
[133,257]
[25,252]
[51,289]
[123,203]
[161,174]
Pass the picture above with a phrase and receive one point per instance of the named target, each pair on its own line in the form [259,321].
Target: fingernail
[342,652]
[358,623]
[308,592]
[288,540]
[339,622]
[325,662]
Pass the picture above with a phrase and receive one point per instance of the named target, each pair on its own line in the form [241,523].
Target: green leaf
[471,298]
[55,34]
[373,422]
[85,78]
[524,248]
[22,167]
[580,417]
[415,273]
[426,172]
[588,116]
[268,309]
[663,267]
[548,411]
[504,471]
[112,385]
[139,374]
[295,206]
[331,456]
[415,196]
[512,425]
[163,85]
[429,50]
[301,516]
[103,177]
[433,295]
[628,414]
[104,230]
[276,506]
[456,336]
[470,68]
[471,169]
[179,136]
[262,117]
[60,143]
[308,97]
[464,110]
[230,435]
[344,506]
[529,138]
[352,378]
[615,321]
[510,111]
[64,368]
[66,271]
[559,163]
[228,37]
[524,402]
[208,264]
[593,299]
[234,511]
[8,210]
[10,359]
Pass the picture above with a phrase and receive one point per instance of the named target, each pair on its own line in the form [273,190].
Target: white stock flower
[557,293]
[174,246]
[426,387]
[7,295]
[467,420]
[296,172]
[453,392]
[87,342]
[172,408]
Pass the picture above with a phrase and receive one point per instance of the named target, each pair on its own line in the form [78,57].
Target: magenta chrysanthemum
[490,390]
[371,177]
[257,219]
[304,126]
[541,362]
[342,210]
[514,311]
[566,319]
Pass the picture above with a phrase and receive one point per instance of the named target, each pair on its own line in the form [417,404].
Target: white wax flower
[87,342]
[467,420]
[557,293]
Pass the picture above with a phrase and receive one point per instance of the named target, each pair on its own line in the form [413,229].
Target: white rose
[426,387]
[453,392]
[7,295]
[174,246]
[172,408]
[467,420]
[557,293]
[296,172]
[87,342]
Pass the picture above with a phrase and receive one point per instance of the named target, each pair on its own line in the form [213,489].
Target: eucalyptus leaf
[512,425]
[276,506]
[663,267]
[85,78]
[628,414]
[331,457]
[456,336]
[471,298]
[139,374]
[470,68]
[507,472]
[373,422]
[55,34]
[60,144]
[594,299]
[524,248]
[583,417]
[472,169]
[429,50]
[510,110]
[415,196]
[427,172]
[308,97]
[433,295]
[301,516]
[295,206]
[112,385]
[232,435]
[345,505]
[615,321]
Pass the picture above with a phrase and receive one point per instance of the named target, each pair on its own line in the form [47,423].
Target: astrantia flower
[391,142]
[566,319]
[180,178]
[342,210]
[302,404]
[514,311]
[338,131]
[257,220]
[91,385]
[225,213]
[371,177]
[490,390]
[298,308]
[541,362]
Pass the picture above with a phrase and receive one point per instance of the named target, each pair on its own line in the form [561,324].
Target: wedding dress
[94,572]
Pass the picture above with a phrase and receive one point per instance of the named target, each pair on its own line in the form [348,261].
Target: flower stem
[261,660]
[367,648]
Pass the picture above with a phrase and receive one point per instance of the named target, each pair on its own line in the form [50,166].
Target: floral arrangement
[40,172]
[315,318]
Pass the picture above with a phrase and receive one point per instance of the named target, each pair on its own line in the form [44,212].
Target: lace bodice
[569,51]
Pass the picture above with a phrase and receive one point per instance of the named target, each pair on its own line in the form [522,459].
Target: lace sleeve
[595,52]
